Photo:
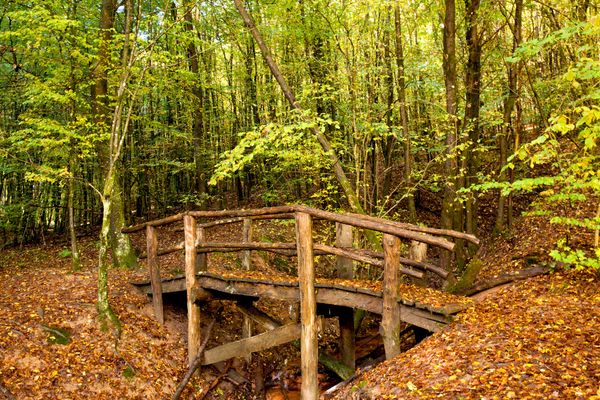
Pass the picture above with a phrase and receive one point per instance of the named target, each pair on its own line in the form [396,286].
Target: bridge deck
[424,307]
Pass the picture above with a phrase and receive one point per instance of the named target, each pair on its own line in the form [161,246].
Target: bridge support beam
[192,266]
[308,308]
[345,270]
[390,321]
[152,260]
[247,265]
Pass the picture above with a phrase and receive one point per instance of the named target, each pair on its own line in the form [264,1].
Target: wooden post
[202,258]
[191,268]
[308,308]
[390,322]
[246,238]
[246,265]
[345,270]
[418,252]
[151,251]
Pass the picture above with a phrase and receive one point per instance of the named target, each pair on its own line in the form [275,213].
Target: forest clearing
[299,199]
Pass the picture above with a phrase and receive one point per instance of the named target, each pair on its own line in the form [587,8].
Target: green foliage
[287,154]
[576,258]
[57,335]
[129,372]
[64,253]
[567,151]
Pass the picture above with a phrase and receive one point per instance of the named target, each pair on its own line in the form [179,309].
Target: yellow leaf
[411,386]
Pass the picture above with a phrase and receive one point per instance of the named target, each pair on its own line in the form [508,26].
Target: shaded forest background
[135,109]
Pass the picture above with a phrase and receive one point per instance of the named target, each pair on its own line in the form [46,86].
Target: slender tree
[404,115]
[449,207]
[123,253]
[510,100]
[469,159]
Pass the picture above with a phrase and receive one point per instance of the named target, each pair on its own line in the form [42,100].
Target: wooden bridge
[396,302]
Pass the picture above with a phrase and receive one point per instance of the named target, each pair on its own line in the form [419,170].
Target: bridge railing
[196,248]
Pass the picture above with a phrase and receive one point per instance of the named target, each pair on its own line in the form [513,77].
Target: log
[243,213]
[506,278]
[235,220]
[243,347]
[377,224]
[156,222]
[309,351]
[191,269]
[288,248]
[407,261]
[437,231]
[345,270]
[390,321]
[151,249]
[364,221]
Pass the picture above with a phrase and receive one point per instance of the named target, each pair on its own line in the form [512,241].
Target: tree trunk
[472,108]
[198,113]
[123,253]
[449,66]
[75,259]
[404,116]
[509,104]
[106,315]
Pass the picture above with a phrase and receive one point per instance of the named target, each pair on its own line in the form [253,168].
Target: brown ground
[535,339]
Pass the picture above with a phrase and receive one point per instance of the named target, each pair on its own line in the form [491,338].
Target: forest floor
[538,338]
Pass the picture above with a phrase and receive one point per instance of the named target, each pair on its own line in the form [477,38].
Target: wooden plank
[242,347]
[344,296]
[414,317]
[444,319]
[309,350]
[250,289]
[191,269]
[345,270]
[198,294]
[156,283]
[390,321]
[257,316]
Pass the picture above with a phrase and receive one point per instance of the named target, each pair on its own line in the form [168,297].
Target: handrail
[403,230]
[196,248]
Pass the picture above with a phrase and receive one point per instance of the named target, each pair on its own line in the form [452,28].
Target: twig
[195,364]
[216,381]
[330,392]
[6,393]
